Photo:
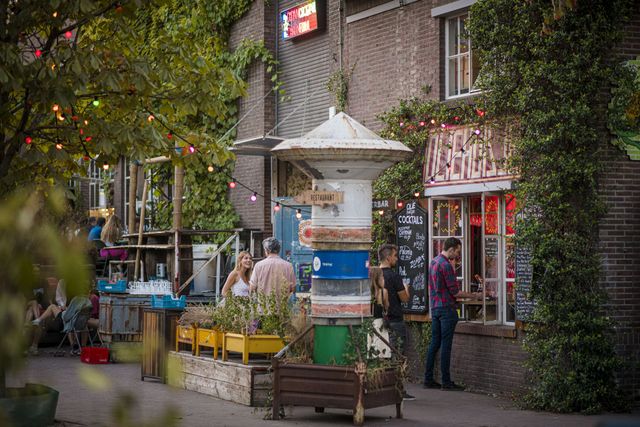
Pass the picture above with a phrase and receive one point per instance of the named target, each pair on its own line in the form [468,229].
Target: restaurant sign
[320,198]
[302,19]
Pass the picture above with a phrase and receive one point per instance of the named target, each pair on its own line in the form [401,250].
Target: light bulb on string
[59,146]
[61,117]
[150,118]
[68,35]
[477,131]
[232,184]
[400,204]
[276,208]
[55,107]
[169,135]
[416,194]
[380,212]
[95,102]
[88,139]
[422,123]
[86,122]
[433,121]
[28,140]
[298,213]
[38,53]
[192,149]
[105,166]
[254,197]
[55,14]
[210,168]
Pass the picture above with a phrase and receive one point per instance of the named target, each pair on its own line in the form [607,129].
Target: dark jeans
[398,335]
[443,324]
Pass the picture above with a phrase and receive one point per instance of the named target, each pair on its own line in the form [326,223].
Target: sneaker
[75,352]
[432,384]
[35,322]
[452,387]
[407,396]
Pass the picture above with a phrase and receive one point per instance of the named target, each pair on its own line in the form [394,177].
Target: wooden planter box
[247,344]
[339,387]
[187,335]
[210,338]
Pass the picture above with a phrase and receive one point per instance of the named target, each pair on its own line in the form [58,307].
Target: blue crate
[119,287]
[168,301]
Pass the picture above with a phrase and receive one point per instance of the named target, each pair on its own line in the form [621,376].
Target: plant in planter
[30,226]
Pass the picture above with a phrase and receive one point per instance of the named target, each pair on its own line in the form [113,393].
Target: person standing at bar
[443,291]
[397,294]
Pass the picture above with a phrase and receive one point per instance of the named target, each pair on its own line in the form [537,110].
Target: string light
[28,140]
[96,102]
[298,213]
[55,107]
[192,149]
[232,184]
[54,14]
[276,208]
[416,194]
[400,204]
[88,139]
[433,121]
[432,180]
[401,124]
[59,146]
[254,197]
[422,123]
[86,122]
[477,131]
[380,212]
[150,118]
[68,34]
[81,131]
[210,168]
[38,53]
[169,135]
[105,166]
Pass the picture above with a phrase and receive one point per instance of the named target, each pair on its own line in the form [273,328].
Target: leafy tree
[100,79]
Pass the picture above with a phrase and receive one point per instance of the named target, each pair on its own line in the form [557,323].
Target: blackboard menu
[411,235]
[524,275]
[304,277]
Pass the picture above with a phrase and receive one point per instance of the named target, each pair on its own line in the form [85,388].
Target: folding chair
[78,324]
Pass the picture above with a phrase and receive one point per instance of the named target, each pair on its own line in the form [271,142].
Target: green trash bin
[330,344]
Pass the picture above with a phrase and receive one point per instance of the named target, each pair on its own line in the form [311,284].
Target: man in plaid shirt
[443,291]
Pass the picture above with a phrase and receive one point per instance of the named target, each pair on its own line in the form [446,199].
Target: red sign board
[299,20]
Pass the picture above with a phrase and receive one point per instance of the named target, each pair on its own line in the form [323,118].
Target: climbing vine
[338,84]
[545,68]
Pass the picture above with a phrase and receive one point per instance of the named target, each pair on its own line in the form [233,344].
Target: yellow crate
[247,344]
[186,335]
[211,338]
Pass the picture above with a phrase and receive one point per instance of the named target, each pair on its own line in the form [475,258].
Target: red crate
[94,355]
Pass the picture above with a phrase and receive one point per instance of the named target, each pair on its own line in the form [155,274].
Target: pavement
[114,395]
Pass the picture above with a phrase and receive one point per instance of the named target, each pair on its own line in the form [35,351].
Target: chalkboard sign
[304,277]
[524,275]
[411,235]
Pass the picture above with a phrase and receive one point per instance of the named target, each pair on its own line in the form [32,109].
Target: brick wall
[396,54]
[620,238]
[254,171]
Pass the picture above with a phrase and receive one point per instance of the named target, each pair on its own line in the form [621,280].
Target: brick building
[396,49]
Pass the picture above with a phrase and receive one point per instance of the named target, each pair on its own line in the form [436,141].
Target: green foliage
[624,108]
[413,123]
[243,315]
[545,69]
[167,57]
[30,236]
[338,84]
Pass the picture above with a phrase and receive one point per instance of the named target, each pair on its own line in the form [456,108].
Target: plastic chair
[102,263]
[78,324]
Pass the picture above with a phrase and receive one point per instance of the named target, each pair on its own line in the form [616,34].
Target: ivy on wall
[624,108]
[546,70]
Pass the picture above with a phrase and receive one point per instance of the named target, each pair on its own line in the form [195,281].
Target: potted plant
[30,237]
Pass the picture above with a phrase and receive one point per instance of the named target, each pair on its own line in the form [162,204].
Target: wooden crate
[323,386]
[187,335]
[248,344]
[245,384]
[159,329]
[210,338]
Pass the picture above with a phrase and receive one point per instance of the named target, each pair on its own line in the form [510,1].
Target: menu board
[304,277]
[524,276]
[411,238]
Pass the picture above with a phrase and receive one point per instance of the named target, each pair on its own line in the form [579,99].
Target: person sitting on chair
[50,319]
[112,233]
[77,318]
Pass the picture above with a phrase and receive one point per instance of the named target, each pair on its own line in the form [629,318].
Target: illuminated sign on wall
[302,19]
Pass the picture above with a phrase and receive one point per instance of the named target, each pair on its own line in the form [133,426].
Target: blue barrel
[340,265]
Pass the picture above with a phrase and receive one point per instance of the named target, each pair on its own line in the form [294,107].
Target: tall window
[461,66]
[97,195]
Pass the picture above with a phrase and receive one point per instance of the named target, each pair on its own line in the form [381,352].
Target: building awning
[256,146]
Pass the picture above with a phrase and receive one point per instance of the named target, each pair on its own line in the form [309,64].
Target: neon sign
[301,19]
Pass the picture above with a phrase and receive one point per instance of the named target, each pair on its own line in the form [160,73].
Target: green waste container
[329,344]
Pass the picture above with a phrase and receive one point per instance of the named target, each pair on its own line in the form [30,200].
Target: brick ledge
[470,328]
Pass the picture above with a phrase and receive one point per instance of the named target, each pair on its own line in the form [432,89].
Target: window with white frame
[461,66]
[97,177]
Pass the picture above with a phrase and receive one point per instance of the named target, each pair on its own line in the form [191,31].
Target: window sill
[501,331]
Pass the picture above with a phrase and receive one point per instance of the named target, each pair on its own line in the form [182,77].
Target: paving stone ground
[92,403]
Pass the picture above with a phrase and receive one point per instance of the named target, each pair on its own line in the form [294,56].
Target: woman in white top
[238,280]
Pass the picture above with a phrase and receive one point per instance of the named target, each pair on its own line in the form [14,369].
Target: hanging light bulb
[298,213]
[433,121]
[276,208]
[88,139]
[169,135]
[210,168]
[28,140]
[68,34]
[400,204]
[96,102]
[150,118]
[192,149]
[59,146]
[38,53]
[254,197]
[232,184]
[54,14]
[416,194]
[422,123]
[477,131]
[381,212]
[105,166]
[86,122]
[55,107]
[432,180]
